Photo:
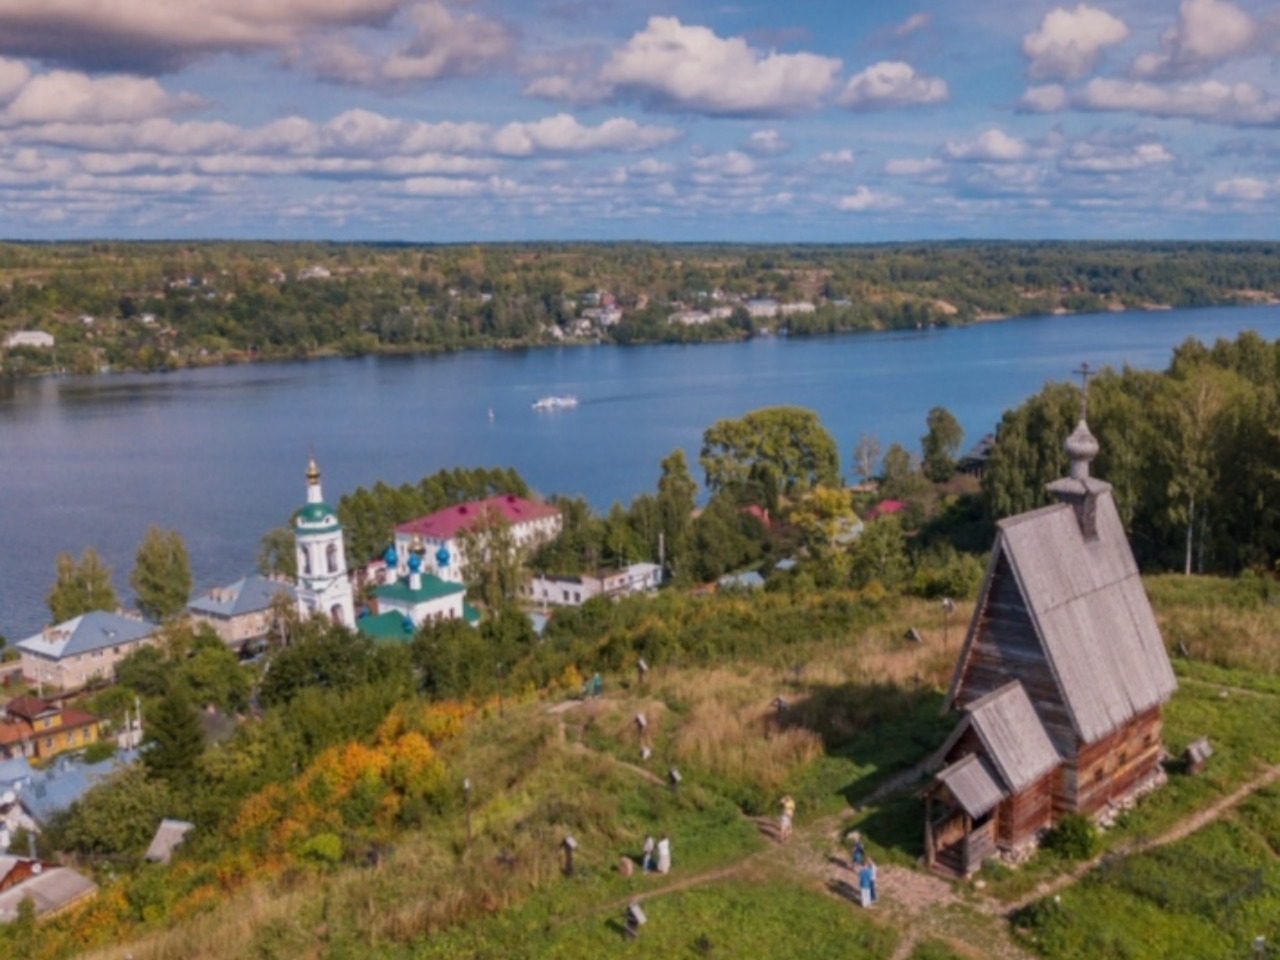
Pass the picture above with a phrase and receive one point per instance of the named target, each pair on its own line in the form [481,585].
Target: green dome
[316,513]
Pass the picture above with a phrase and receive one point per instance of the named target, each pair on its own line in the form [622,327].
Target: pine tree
[176,739]
[81,586]
[161,575]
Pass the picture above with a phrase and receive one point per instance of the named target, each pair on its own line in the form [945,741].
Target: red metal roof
[445,524]
[884,508]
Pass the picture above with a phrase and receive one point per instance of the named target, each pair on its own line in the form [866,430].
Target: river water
[218,454]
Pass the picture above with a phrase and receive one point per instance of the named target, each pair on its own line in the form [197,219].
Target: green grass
[731,920]
[1197,898]
[934,950]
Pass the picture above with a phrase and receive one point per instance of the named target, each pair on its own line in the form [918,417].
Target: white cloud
[917,21]
[150,35]
[1085,156]
[652,167]
[13,77]
[1208,32]
[564,134]
[892,83]
[913,166]
[767,142]
[64,97]
[672,66]
[1045,99]
[836,158]
[864,198]
[990,146]
[1246,188]
[1209,100]
[448,46]
[1069,43]
[573,90]
[719,166]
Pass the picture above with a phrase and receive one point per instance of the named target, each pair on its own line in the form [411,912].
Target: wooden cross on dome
[1084,373]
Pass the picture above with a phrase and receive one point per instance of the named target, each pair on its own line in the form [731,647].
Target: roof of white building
[86,633]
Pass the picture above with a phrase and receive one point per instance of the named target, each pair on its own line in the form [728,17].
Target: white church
[323,584]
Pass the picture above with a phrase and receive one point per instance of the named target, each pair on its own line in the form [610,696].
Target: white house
[240,613]
[790,309]
[438,535]
[82,649]
[29,338]
[762,309]
[556,591]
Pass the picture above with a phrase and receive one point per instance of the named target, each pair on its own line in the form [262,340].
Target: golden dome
[313,473]
[417,546]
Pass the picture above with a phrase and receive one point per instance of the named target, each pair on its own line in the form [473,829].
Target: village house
[561,591]
[241,614]
[50,888]
[1060,681]
[82,650]
[439,534]
[36,729]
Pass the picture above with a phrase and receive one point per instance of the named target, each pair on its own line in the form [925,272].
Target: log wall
[1109,768]
[1024,814]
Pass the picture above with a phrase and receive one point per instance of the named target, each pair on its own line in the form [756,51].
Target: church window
[336,613]
[331,557]
[306,561]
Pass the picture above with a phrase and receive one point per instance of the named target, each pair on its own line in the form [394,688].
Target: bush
[1074,837]
[322,848]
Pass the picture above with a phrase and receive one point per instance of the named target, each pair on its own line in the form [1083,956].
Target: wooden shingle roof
[1014,739]
[1090,611]
[973,784]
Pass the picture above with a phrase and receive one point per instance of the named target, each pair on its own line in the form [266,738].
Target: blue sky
[818,120]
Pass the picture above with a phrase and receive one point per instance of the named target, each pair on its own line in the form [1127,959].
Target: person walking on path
[595,686]
[784,822]
[664,855]
[871,868]
[857,854]
[864,885]
[647,864]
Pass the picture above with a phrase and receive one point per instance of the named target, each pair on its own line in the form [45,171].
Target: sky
[480,120]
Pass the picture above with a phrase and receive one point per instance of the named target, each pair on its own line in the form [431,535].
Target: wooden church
[1060,681]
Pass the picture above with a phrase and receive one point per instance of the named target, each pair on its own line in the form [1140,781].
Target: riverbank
[202,360]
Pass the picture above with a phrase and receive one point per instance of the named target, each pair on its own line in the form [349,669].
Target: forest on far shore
[153,306]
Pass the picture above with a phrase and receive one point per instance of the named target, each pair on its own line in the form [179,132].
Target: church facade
[1060,681]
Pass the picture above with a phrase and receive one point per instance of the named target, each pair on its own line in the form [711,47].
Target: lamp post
[948,608]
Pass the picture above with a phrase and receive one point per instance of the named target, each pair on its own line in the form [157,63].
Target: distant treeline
[168,305]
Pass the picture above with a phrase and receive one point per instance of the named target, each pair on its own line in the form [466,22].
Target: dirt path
[1179,831]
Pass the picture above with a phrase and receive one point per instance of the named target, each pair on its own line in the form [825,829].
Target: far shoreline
[513,346]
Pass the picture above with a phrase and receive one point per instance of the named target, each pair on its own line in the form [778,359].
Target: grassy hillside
[863,707]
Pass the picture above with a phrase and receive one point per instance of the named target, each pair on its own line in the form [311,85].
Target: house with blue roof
[82,650]
[241,613]
[62,784]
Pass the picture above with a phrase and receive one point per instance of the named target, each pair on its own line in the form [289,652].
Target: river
[218,454]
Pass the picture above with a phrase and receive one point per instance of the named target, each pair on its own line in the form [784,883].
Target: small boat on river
[555,403]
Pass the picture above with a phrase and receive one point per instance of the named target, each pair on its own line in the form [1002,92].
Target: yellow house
[39,730]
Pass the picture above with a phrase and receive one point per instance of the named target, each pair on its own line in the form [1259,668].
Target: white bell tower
[323,585]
